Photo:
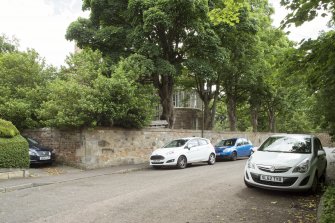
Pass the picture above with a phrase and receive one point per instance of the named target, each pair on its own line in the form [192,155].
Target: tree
[318,66]
[23,76]
[317,60]
[239,41]
[7,45]
[83,96]
[155,29]
[304,10]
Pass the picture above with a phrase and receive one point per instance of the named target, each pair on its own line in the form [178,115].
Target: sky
[42,24]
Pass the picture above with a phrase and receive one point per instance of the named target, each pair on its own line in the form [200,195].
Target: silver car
[287,162]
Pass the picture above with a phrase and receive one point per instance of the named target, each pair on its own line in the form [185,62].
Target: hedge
[7,129]
[328,213]
[14,149]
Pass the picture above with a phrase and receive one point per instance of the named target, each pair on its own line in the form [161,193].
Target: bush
[14,152]
[328,213]
[7,129]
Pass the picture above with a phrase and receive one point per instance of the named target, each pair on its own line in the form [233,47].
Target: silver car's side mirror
[321,153]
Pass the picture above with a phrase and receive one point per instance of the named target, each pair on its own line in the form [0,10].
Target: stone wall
[66,143]
[103,147]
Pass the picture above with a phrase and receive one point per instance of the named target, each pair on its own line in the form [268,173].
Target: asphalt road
[200,193]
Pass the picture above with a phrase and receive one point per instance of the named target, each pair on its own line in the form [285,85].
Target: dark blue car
[39,154]
[233,148]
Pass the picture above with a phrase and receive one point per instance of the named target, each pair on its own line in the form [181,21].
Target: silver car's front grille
[273,169]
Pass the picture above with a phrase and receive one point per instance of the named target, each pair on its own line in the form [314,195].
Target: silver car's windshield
[175,143]
[287,144]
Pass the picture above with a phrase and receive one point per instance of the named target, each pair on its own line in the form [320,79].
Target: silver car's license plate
[272,178]
[44,157]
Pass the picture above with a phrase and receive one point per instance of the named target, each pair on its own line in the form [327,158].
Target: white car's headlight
[302,167]
[250,164]
[170,153]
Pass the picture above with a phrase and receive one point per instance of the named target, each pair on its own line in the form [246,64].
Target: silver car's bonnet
[278,158]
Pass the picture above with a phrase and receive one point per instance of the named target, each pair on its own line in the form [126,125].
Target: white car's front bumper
[159,160]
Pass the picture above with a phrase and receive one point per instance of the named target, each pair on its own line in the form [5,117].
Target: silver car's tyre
[211,159]
[182,162]
[315,185]
[247,184]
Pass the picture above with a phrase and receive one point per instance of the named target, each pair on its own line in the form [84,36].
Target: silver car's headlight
[250,164]
[302,167]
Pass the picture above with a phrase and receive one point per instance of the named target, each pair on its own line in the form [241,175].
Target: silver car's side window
[317,144]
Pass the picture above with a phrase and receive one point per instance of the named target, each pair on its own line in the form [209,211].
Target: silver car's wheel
[211,159]
[182,162]
[315,185]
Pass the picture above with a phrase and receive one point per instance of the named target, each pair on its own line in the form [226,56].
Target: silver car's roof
[294,135]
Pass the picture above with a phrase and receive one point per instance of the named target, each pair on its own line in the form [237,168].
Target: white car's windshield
[287,144]
[175,143]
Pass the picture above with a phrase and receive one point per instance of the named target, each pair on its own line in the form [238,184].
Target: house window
[183,99]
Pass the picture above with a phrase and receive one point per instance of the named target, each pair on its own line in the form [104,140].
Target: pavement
[40,176]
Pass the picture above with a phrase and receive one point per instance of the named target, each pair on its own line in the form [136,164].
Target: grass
[328,213]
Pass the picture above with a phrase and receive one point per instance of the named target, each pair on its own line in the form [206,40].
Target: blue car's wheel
[233,156]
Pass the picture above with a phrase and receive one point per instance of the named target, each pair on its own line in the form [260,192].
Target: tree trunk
[213,111]
[207,114]
[231,106]
[254,118]
[164,85]
[272,120]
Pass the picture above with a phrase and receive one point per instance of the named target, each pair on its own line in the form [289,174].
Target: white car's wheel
[182,162]
[211,159]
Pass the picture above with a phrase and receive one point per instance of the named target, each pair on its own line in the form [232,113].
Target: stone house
[187,110]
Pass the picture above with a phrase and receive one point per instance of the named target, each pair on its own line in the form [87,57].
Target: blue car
[233,148]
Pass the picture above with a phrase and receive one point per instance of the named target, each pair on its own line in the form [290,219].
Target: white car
[287,162]
[181,152]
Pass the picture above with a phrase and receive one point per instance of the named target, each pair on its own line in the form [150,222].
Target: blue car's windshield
[226,142]
[175,143]
[287,144]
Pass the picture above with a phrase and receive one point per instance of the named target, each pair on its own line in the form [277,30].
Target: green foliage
[14,152]
[22,84]
[84,96]
[225,12]
[328,213]
[7,129]
[317,64]
[7,45]
[305,10]
[68,104]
